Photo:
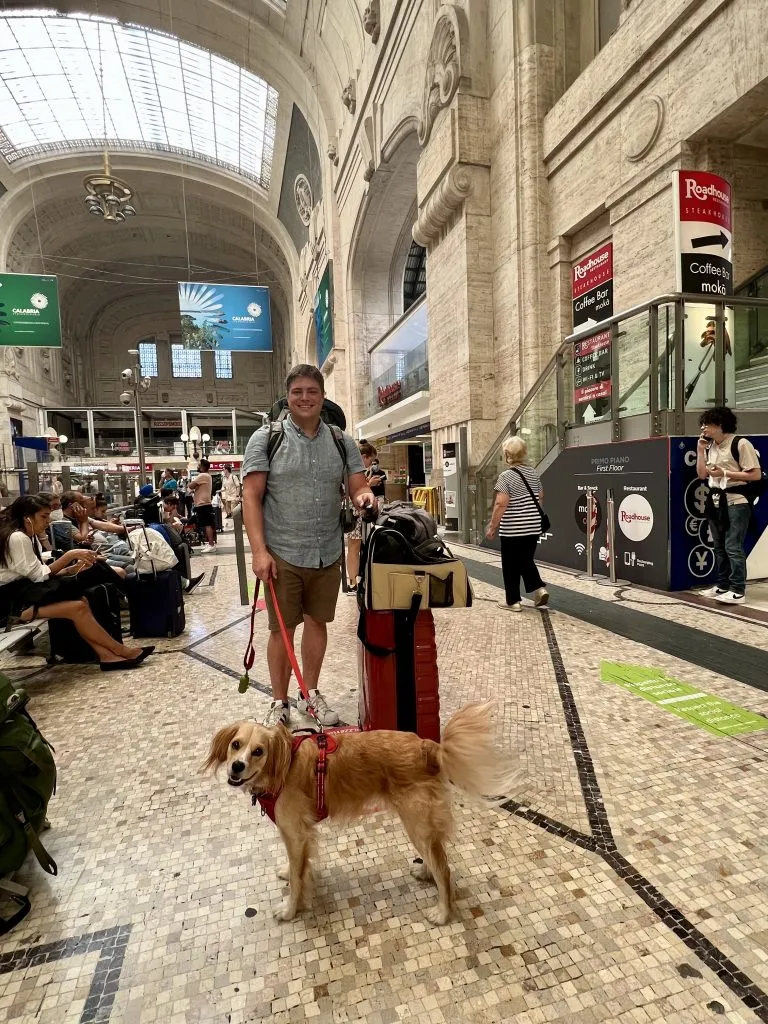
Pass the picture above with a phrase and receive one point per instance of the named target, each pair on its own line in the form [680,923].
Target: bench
[20,635]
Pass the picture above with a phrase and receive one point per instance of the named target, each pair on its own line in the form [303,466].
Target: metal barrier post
[33,478]
[589,574]
[610,513]
[242,569]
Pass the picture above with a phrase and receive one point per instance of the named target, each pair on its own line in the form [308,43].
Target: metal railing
[664,361]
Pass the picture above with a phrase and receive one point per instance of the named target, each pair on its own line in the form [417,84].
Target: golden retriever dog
[395,770]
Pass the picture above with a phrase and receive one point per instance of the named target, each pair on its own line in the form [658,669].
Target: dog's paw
[438,915]
[422,872]
[286,911]
[284,873]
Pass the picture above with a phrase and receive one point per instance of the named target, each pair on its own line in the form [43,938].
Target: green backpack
[27,782]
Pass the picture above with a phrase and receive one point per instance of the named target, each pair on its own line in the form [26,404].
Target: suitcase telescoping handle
[384,652]
[140,522]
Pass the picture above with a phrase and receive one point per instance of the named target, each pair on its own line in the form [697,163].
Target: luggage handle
[384,652]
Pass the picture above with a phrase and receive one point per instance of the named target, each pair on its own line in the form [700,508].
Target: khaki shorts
[301,592]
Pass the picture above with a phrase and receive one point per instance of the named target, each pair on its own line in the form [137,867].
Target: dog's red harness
[326,744]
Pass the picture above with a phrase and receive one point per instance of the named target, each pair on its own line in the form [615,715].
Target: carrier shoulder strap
[735,449]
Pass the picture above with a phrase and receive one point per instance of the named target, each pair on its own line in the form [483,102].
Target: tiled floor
[625,881]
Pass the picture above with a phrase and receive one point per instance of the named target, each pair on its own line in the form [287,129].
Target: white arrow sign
[589,414]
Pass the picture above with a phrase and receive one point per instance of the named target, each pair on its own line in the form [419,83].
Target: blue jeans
[730,560]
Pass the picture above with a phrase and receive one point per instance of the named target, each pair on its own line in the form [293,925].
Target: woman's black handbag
[546,525]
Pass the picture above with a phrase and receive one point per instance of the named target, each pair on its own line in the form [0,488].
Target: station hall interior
[479,220]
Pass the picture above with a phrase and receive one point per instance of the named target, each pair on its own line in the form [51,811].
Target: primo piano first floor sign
[29,311]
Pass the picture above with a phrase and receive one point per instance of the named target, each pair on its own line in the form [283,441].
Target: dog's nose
[237,767]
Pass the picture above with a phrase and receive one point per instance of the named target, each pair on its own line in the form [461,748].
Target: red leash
[250,651]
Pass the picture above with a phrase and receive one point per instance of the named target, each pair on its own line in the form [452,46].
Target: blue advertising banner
[235,317]
[692,561]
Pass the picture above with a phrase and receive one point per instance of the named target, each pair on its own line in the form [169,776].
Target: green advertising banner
[711,713]
[29,311]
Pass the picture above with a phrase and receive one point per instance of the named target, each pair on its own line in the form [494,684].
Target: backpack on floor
[27,782]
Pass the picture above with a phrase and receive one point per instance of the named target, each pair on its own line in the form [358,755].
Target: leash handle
[250,651]
[287,643]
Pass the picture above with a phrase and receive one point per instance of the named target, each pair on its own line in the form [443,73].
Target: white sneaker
[730,597]
[540,597]
[324,714]
[278,714]
[516,607]
[713,592]
[206,549]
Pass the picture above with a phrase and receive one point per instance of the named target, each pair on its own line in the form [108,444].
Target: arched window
[415,276]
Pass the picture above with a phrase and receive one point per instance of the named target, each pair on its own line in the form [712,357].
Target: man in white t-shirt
[728,504]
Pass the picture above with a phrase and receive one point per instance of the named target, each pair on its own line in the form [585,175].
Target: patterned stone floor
[625,881]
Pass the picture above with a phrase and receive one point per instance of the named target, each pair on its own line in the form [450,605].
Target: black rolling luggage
[67,644]
[156,605]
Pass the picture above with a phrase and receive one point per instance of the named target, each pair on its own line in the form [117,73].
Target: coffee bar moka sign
[703,233]
[592,287]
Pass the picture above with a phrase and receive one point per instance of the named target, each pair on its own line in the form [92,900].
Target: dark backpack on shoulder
[752,489]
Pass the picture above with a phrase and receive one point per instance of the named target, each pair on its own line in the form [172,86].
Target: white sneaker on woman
[516,607]
[540,597]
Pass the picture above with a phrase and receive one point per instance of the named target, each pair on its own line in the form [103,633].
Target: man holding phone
[291,514]
[729,465]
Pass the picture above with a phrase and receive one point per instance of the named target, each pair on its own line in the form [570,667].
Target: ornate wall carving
[349,96]
[372,20]
[646,122]
[442,205]
[443,67]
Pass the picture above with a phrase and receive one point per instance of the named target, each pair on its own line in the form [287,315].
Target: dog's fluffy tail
[469,758]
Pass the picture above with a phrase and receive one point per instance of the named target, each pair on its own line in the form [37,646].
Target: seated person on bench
[31,590]
[109,542]
[153,553]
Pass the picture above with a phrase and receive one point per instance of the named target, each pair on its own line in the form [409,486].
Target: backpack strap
[735,449]
[277,433]
[338,440]
[275,439]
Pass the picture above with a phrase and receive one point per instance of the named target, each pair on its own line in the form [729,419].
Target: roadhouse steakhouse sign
[703,235]
[592,287]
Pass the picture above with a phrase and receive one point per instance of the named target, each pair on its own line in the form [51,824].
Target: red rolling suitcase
[397,665]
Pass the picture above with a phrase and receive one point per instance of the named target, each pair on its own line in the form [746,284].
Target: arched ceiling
[191,215]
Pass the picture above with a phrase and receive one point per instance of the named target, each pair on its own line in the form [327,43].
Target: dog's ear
[278,761]
[217,755]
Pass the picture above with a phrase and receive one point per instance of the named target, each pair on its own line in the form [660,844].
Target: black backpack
[752,489]
[411,535]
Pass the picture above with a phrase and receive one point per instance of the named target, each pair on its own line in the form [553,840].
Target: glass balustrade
[654,365]
[400,361]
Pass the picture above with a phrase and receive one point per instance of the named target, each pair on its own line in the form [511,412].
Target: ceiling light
[107,196]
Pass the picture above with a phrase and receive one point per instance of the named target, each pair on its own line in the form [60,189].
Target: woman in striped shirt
[517,517]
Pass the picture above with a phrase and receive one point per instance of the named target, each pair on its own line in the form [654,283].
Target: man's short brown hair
[304,370]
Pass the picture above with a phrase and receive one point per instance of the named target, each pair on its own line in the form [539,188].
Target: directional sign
[592,287]
[703,235]
[592,377]
[704,710]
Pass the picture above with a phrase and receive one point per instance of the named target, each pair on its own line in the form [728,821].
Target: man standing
[202,492]
[291,514]
[729,468]
[230,491]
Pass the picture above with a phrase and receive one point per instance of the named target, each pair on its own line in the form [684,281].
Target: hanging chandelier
[107,196]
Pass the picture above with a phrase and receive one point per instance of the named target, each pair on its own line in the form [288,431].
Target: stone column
[454,224]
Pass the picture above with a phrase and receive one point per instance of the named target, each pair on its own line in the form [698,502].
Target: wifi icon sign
[580,548]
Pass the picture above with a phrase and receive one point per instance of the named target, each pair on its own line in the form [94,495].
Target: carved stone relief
[372,20]
[349,96]
[646,121]
[333,154]
[302,192]
[443,68]
[442,205]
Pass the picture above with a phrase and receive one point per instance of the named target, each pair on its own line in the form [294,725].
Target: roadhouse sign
[592,287]
[703,236]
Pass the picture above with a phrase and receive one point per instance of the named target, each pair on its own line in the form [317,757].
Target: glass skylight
[161,94]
